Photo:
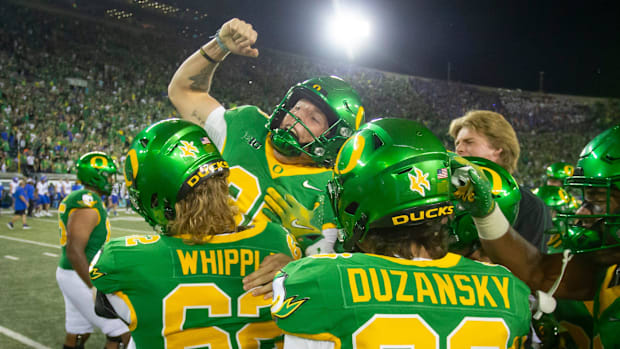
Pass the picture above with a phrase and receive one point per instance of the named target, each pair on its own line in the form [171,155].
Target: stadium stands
[70,85]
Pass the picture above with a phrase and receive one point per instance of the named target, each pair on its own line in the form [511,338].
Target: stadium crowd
[74,93]
[63,93]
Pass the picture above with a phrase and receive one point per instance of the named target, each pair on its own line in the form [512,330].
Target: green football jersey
[607,310]
[575,319]
[83,199]
[253,169]
[189,295]
[370,301]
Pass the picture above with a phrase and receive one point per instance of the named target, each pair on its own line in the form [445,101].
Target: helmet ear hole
[377,142]
[154,200]
[168,210]
[346,105]
[352,208]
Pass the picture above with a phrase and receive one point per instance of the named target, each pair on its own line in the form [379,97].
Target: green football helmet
[337,100]
[391,172]
[560,202]
[560,170]
[505,192]
[94,170]
[598,169]
[557,198]
[165,161]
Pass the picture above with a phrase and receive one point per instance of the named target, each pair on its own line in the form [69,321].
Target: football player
[44,199]
[182,288]
[280,162]
[488,135]
[559,201]
[558,172]
[592,234]
[552,330]
[84,228]
[391,192]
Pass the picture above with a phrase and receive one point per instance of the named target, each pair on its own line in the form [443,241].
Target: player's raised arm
[189,88]
[505,246]
[539,271]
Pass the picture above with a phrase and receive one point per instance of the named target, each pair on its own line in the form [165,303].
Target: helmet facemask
[598,230]
[597,176]
[336,100]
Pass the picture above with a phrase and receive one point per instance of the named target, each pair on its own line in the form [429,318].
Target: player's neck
[93,189]
[301,160]
[419,252]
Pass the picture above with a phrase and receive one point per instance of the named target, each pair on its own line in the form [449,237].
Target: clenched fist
[239,37]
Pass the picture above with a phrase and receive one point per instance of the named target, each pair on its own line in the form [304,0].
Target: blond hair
[496,129]
[206,211]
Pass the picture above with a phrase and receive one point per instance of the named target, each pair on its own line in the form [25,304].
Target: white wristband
[493,226]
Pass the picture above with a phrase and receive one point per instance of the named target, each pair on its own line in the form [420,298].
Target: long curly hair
[206,211]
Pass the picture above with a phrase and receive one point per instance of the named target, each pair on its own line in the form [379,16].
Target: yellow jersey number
[209,295]
[247,197]
[385,330]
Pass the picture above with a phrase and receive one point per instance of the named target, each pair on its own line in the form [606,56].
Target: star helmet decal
[188,149]
[419,182]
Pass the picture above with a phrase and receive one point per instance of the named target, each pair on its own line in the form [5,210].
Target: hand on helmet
[472,188]
[298,220]
[239,36]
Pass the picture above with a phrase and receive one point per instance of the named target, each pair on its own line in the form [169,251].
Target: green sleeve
[104,272]
[285,241]
[298,301]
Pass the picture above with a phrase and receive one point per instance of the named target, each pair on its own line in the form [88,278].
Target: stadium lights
[118,14]
[348,30]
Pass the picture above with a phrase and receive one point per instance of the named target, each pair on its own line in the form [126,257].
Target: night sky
[495,43]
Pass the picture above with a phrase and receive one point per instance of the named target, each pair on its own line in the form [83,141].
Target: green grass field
[31,305]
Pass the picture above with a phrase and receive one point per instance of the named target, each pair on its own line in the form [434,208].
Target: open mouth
[290,129]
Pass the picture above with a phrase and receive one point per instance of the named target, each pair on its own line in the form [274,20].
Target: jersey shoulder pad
[494,269]
[247,110]
[247,114]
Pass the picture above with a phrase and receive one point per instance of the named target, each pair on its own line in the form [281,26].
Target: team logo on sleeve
[88,200]
[419,182]
[95,273]
[188,149]
[282,307]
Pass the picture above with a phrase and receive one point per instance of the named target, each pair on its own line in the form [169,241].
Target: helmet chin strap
[545,303]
